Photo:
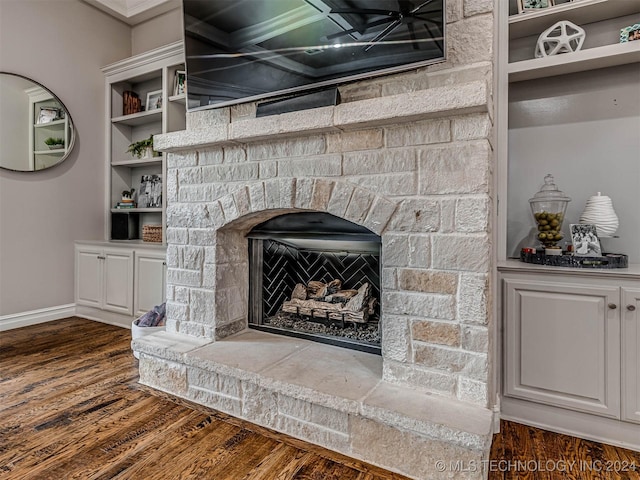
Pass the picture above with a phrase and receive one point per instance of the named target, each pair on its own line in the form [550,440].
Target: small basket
[152,233]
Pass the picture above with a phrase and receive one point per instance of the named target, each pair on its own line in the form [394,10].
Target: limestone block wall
[409,156]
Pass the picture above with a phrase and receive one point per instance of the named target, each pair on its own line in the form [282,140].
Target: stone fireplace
[407,158]
[316,276]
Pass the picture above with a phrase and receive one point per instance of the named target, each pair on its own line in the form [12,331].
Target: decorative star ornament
[562,37]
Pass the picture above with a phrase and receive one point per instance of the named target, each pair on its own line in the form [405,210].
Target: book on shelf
[131,103]
[125,205]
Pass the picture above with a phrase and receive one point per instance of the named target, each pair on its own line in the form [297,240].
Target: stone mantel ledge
[441,418]
[437,102]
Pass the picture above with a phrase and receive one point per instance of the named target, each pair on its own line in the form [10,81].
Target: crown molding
[134,12]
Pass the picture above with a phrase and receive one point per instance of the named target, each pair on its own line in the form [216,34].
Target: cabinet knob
[100,257]
[631,308]
[612,306]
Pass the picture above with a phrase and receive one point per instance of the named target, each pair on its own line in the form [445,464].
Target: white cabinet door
[118,281]
[631,355]
[150,282]
[89,277]
[563,344]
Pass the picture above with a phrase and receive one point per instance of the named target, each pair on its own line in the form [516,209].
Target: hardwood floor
[71,408]
[520,452]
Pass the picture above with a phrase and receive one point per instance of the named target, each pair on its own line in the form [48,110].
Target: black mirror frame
[72,140]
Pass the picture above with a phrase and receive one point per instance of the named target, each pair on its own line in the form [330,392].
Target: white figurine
[561,37]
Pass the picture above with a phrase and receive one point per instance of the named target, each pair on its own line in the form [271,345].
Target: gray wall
[158,31]
[61,44]
[585,130]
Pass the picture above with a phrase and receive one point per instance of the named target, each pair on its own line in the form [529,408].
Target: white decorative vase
[562,37]
[599,211]
[139,332]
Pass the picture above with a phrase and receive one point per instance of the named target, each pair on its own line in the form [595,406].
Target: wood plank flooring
[71,408]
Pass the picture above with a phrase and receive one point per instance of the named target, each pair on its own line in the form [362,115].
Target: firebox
[316,276]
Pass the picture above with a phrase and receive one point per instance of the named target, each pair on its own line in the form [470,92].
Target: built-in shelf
[579,12]
[181,99]
[140,118]
[136,162]
[136,210]
[581,61]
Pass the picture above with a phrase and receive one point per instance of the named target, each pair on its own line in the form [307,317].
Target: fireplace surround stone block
[319,393]
[409,156]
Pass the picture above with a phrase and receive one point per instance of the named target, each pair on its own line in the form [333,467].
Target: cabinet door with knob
[150,282]
[562,343]
[118,281]
[89,277]
[631,354]
[104,279]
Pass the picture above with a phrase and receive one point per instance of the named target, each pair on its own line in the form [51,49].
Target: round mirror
[36,131]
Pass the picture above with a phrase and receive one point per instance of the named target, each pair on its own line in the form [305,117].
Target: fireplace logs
[327,301]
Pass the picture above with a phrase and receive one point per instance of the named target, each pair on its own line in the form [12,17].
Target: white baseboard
[569,422]
[24,319]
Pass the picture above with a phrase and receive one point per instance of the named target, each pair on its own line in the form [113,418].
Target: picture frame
[180,82]
[533,5]
[154,100]
[584,237]
[630,33]
[150,191]
[48,115]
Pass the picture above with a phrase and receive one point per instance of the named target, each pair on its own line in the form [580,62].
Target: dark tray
[609,260]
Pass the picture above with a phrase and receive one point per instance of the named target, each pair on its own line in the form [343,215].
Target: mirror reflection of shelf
[57,151]
[55,123]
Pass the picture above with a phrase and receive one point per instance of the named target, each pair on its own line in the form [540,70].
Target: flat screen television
[246,50]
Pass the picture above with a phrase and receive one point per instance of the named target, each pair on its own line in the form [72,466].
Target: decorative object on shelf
[150,191]
[54,143]
[143,148]
[630,33]
[154,100]
[152,233]
[151,322]
[609,260]
[532,5]
[180,82]
[127,196]
[585,240]
[131,103]
[548,207]
[599,211]
[561,37]
[49,114]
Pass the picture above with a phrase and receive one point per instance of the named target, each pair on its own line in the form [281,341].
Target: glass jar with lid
[549,206]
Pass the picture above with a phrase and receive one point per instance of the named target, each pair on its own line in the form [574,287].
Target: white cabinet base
[569,422]
[104,316]
[116,283]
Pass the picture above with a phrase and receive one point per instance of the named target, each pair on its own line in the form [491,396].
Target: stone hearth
[407,156]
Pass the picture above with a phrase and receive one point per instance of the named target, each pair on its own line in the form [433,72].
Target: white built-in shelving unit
[570,337]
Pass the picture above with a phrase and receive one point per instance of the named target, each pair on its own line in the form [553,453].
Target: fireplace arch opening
[316,276]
